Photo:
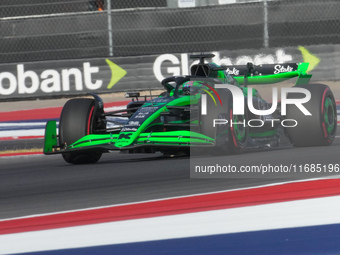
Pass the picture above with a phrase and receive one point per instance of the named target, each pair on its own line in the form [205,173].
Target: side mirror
[132,94]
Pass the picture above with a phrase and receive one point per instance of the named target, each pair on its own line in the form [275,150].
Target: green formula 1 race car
[212,109]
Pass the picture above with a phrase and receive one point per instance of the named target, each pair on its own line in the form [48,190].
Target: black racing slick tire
[75,122]
[318,129]
[229,139]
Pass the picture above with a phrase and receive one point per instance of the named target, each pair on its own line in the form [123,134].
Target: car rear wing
[268,73]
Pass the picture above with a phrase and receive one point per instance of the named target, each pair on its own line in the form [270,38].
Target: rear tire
[75,122]
[319,129]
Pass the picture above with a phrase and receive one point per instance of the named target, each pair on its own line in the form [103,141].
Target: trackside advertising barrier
[106,75]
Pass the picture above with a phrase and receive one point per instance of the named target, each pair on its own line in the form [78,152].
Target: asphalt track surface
[45,184]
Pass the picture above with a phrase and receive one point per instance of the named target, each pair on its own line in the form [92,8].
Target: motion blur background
[62,48]
[63,29]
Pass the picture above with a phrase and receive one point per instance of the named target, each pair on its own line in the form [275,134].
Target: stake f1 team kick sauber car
[195,112]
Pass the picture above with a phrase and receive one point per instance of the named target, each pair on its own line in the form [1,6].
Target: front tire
[76,122]
[229,139]
[319,129]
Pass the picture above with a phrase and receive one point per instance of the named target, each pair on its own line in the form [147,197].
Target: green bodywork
[108,142]
[301,73]
[128,140]
[180,138]
[133,136]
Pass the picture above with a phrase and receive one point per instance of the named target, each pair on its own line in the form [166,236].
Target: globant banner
[59,78]
[107,75]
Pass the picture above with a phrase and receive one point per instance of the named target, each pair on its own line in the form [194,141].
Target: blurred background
[47,47]
[51,30]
